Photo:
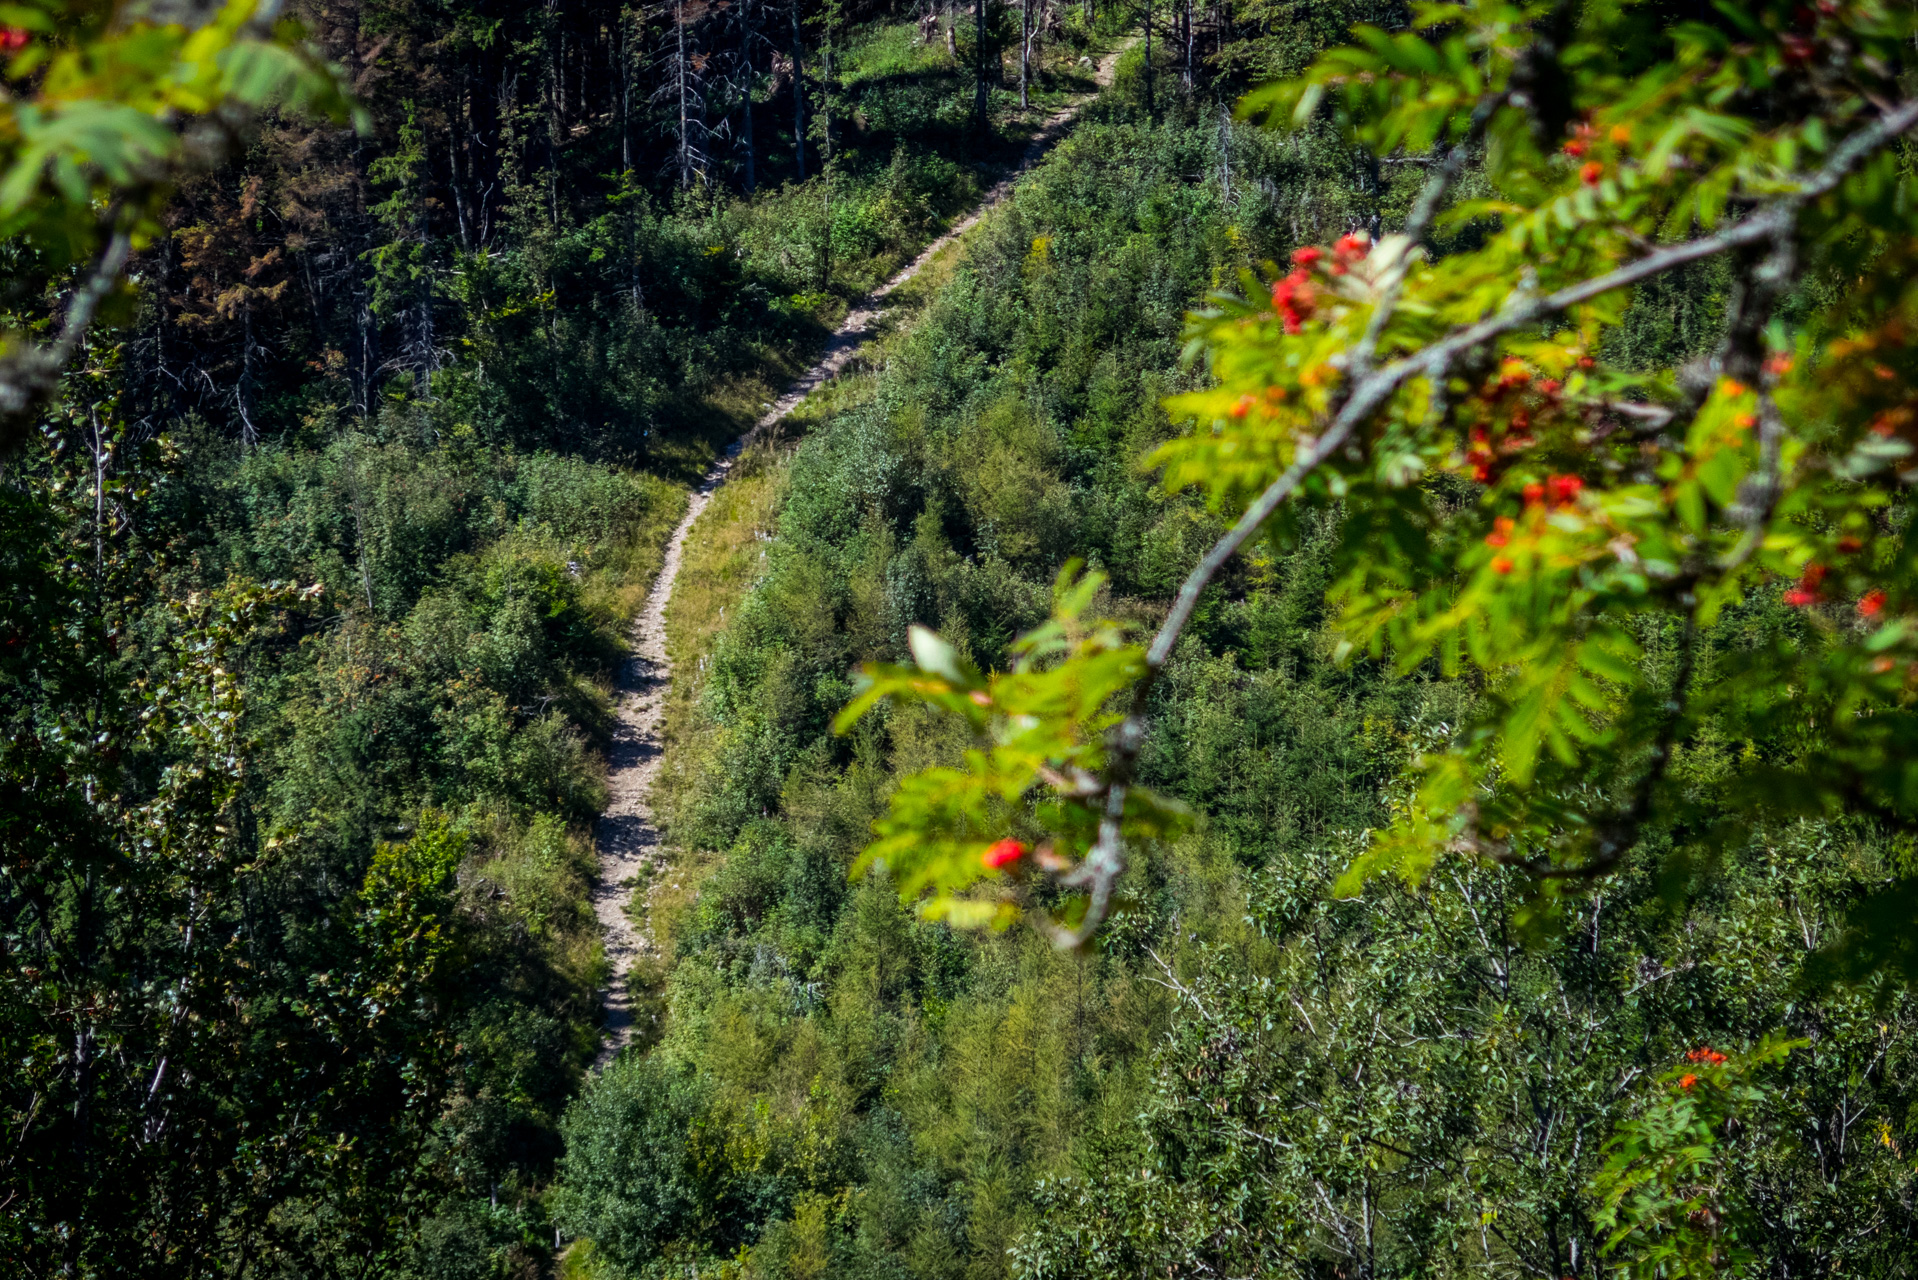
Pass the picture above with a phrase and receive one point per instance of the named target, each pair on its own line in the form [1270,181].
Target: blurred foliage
[109,107]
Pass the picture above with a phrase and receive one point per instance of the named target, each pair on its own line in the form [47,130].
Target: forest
[1329,695]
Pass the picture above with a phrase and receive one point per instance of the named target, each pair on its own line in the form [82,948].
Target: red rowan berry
[1002,853]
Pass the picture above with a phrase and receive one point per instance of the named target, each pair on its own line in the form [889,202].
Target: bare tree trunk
[679,69]
[453,182]
[1025,53]
[799,98]
[979,58]
[626,92]
[555,88]
[825,107]
[420,322]
[1185,35]
[249,436]
[702,153]
[748,35]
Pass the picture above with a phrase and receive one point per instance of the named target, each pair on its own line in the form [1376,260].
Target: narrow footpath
[628,842]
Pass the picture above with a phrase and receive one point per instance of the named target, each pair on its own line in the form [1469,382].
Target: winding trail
[628,841]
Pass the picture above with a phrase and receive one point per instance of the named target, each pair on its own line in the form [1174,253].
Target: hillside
[1246,1075]
[556,724]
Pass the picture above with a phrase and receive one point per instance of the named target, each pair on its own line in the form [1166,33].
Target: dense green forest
[321,549]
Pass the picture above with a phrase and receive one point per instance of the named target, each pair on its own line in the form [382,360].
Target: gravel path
[627,840]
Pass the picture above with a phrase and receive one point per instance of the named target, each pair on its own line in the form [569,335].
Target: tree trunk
[453,182]
[679,71]
[625,93]
[555,87]
[799,99]
[746,121]
[1025,53]
[1185,35]
[979,59]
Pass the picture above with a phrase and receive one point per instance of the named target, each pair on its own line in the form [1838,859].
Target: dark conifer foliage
[560,176]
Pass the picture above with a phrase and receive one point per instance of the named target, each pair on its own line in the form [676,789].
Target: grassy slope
[957,1042]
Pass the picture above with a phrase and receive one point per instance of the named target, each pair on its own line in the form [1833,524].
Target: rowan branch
[1370,391]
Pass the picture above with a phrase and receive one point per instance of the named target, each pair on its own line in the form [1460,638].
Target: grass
[617,584]
[724,554]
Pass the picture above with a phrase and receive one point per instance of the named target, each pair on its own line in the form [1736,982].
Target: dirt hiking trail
[626,838]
